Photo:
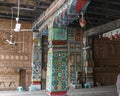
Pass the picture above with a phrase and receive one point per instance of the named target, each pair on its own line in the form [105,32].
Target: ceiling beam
[42,7]
[6,10]
[110,10]
[103,28]
[49,12]
[27,18]
[22,2]
[115,2]
[14,4]
[104,14]
[44,1]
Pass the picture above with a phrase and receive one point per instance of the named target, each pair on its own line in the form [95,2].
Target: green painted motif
[57,34]
[58,71]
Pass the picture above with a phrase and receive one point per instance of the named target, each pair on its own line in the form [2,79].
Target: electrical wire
[18,11]
[11,20]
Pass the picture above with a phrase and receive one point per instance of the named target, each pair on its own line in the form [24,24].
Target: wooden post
[57,65]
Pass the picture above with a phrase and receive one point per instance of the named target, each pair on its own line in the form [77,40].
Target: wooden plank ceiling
[98,12]
[29,9]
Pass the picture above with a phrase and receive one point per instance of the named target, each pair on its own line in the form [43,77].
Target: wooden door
[23,79]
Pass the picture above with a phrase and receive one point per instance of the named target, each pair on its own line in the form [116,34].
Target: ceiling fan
[8,39]
[11,41]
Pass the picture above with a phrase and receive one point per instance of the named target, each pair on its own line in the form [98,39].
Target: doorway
[23,79]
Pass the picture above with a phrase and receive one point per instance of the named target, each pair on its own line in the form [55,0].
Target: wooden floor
[96,91]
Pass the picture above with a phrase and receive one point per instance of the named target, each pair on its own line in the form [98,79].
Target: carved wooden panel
[14,57]
[106,56]
[79,34]
[9,78]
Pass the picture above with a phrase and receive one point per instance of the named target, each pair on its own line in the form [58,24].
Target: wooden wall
[106,54]
[15,60]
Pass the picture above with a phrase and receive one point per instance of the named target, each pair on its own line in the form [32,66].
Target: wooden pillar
[57,67]
[87,60]
[36,61]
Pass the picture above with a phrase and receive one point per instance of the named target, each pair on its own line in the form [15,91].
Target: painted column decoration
[37,61]
[81,7]
[57,73]
[88,61]
[57,68]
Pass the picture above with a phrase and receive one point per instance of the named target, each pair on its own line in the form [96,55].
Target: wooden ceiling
[102,11]
[98,12]
[29,9]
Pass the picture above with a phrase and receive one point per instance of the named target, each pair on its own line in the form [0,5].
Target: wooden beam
[49,12]
[103,14]
[103,28]
[6,10]
[108,10]
[22,2]
[115,2]
[42,7]
[44,1]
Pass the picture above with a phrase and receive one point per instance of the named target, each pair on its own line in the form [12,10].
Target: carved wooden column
[37,60]
[57,67]
[87,61]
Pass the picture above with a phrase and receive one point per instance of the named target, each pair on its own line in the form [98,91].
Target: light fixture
[18,25]
[82,20]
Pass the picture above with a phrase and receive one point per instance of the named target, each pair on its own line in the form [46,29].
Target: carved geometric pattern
[9,78]
[3,37]
[14,56]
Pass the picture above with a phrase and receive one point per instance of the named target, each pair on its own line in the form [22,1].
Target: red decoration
[116,35]
[82,21]
[119,34]
[56,93]
[111,37]
[36,82]
[80,4]
[58,42]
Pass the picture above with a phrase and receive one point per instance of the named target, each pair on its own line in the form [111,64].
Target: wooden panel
[44,50]
[75,34]
[106,56]
[79,35]
[16,56]
[9,78]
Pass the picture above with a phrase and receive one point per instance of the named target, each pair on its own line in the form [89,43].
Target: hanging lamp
[82,20]
[18,25]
